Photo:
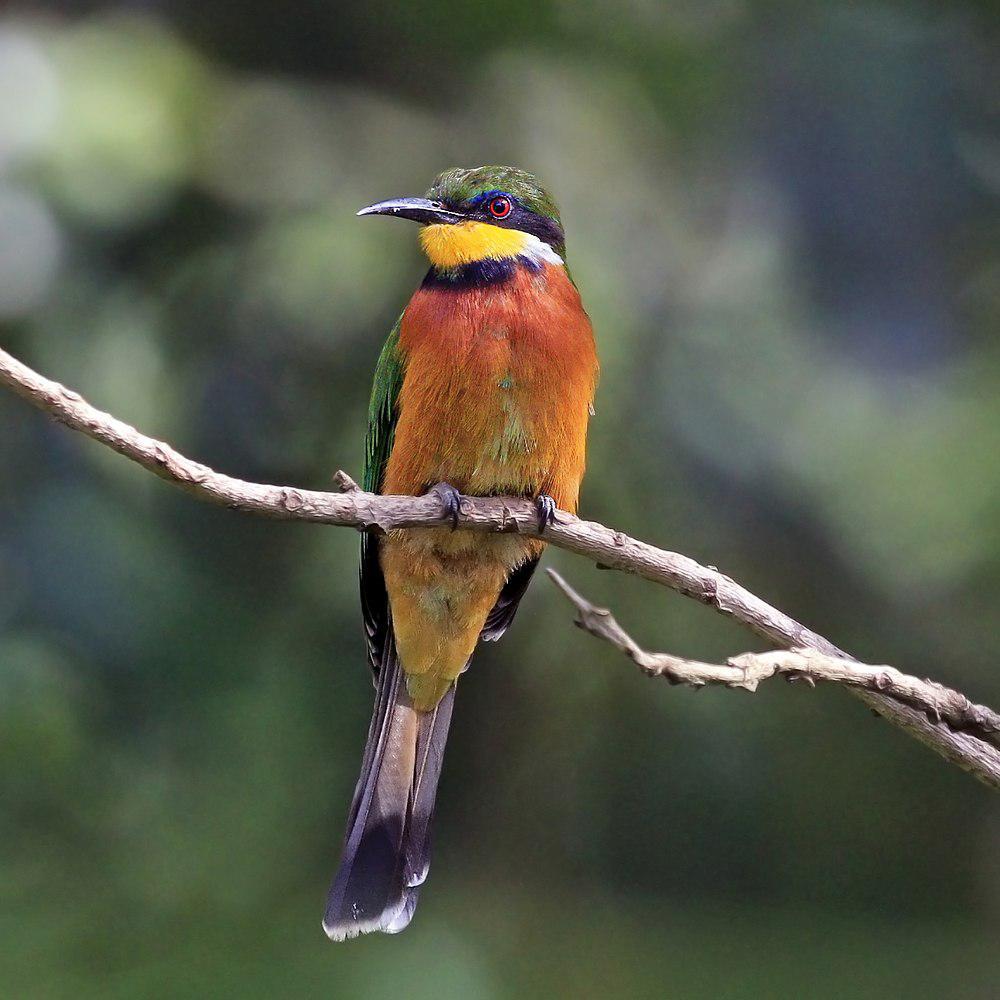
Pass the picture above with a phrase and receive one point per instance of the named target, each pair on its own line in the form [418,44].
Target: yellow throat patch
[469,242]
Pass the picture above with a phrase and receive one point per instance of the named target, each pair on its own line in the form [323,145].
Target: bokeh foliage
[783,219]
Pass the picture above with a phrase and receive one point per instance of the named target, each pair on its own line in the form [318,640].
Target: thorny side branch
[966,737]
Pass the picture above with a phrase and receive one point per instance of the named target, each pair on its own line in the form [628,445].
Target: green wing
[378,444]
[382,411]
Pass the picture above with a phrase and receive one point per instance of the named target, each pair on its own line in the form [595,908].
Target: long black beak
[417,209]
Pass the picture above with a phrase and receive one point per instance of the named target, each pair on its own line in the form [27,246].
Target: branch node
[344,483]
[794,677]
[291,500]
[709,592]
[507,521]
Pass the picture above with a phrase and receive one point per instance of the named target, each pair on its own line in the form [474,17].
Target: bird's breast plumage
[499,381]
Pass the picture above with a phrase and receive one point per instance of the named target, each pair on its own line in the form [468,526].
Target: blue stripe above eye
[489,195]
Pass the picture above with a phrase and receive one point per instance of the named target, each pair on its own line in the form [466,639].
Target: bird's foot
[546,508]
[450,500]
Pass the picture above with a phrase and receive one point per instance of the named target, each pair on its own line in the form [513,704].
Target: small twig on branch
[967,746]
[747,670]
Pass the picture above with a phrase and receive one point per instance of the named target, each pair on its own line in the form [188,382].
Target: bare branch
[747,670]
[353,507]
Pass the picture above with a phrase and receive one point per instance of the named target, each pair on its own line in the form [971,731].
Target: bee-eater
[484,387]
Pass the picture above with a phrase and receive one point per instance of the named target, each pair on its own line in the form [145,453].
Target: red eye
[500,208]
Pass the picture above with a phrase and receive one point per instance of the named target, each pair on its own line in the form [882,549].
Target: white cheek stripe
[539,251]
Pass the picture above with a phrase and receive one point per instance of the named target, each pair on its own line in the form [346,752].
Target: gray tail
[387,847]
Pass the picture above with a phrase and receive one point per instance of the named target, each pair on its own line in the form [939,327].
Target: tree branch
[964,742]
[747,670]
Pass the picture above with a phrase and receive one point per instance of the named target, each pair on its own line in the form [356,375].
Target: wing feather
[382,415]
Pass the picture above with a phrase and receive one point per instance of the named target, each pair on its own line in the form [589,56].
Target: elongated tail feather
[431,740]
[387,846]
[432,734]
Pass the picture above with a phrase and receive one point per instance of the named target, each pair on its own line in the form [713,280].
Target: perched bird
[484,387]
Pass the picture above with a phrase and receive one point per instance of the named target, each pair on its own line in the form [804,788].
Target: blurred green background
[784,222]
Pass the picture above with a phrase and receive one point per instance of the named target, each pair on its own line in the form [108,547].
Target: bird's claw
[450,500]
[546,508]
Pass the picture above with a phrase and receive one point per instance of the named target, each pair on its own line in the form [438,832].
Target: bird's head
[482,213]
